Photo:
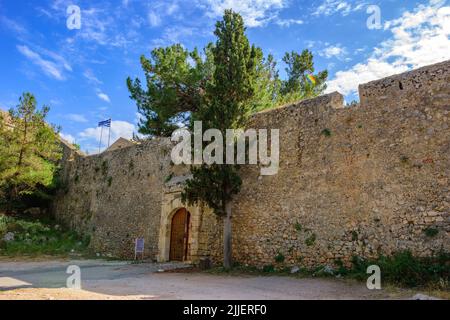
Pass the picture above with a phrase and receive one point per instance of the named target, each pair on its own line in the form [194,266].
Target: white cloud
[331,51]
[288,22]
[54,69]
[174,35]
[76,118]
[90,76]
[68,137]
[330,7]
[103,96]
[256,13]
[119,129]
[154,19]
[420,37]
[172,8]
[13,26]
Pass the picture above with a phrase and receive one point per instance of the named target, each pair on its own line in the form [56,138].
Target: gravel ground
[111,280]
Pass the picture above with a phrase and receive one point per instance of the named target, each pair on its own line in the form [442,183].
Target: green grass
[34,237]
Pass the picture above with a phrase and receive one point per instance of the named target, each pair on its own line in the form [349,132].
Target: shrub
[404,269]
[279,258]
[269,268]
[33,236]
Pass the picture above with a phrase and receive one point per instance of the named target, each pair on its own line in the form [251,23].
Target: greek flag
[106,123]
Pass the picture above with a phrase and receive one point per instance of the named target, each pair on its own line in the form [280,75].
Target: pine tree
[227,105]
[29,150]
[176,81]
[297,87]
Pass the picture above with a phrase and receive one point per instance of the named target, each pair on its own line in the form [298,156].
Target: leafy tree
[176,81]
[29,150]
[267,83]
[298,87]
[227,104]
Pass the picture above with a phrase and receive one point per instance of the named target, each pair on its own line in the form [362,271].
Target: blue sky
[81,73]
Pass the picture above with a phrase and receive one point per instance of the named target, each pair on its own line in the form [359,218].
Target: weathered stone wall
[365,180]
[116,197]
[359,181]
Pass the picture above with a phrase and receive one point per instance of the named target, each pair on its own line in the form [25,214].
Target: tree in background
[177,80]
[228,103]
[29,150]
[301,83]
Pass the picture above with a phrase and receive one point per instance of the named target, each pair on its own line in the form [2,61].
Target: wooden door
[179,236]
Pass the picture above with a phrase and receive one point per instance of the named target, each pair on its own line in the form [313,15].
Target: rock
[420,296]
[295,270]
[33,211]
[9,237]
[328,270]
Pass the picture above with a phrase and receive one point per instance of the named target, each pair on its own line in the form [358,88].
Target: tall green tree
[227,105]
[176,81]
[299,85]
[29,151]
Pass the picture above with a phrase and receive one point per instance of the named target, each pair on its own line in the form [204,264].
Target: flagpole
[101,136]
[109,136]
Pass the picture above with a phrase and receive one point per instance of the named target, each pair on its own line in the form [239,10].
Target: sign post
[139,248]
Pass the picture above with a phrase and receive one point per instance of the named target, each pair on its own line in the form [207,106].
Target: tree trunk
[227,262]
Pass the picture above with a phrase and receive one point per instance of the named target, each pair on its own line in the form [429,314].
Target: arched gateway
[179,235]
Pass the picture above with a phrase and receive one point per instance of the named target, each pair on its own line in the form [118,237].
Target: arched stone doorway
[200,222]
[179,235]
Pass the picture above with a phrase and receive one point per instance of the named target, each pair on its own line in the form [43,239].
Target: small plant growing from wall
[168,178]
[326,132]
[431,232]
[110,179]
[354,236]
[311,240]
[105,168]
[298,227]
[279,258]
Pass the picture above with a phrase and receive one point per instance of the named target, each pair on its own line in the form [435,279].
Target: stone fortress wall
[366,180]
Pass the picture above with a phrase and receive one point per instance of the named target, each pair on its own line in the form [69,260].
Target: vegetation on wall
[29,151]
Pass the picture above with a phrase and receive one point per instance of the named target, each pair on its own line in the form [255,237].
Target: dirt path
[102,280]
